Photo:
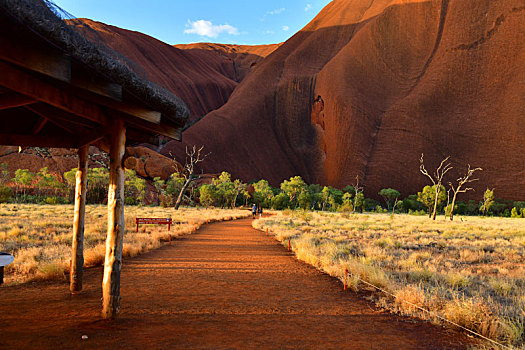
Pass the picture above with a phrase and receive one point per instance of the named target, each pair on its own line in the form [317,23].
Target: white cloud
[285,28]
[308,7]
[268,32]
[207,28]
[276,11]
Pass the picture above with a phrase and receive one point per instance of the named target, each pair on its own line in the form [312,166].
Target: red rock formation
[203,75]
[369,85]
[241,57]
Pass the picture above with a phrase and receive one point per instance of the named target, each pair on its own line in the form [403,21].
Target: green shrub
[5,194]
[516,213]
[281,201]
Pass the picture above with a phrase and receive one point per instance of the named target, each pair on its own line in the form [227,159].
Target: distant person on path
[259,211]
[254,210]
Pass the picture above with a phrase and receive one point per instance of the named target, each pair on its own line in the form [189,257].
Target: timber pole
[77,254]
[115,234]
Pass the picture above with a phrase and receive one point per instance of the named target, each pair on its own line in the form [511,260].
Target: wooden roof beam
[35,86]
[88,107]
[162,129]
[39,125]
[24,141]
[12,100]
[58,116]
[46,116]
[92,137]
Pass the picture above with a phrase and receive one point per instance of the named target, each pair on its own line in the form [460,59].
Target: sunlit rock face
[368,86]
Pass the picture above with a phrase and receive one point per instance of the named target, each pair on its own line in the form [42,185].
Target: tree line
[225,192]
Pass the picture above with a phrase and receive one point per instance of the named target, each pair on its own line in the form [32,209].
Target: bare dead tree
[396,202]
[194,156]
[448,202]
[358,189]
[436,178]
[464,180]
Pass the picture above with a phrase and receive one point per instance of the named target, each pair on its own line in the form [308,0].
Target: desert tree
[390,196]
[488,201]
[461,182]
[262,194]
[436,178]
[194,156]
[427,197]
[358,197]
[238,188]
[293,189]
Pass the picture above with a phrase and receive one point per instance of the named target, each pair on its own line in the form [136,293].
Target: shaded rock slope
[369,85]
[203,75]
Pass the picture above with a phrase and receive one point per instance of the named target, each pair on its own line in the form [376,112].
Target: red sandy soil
[394,79]
[227,287]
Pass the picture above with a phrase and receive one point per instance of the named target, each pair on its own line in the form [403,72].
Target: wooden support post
[76,270]
[1,275]
[345,286]
[115,234]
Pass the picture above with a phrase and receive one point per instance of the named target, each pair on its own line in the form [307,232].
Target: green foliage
[174,184]
[24,177]
[5,194]
[349,189]
[380,209]
[488,201]
[331,198]
[370,204]
[359,201]
[71,177]
[208,195]
[411,203]
[97,185]
[305,199]
[54,200]
[293,189]
[225,189]
[389,195]
[519,205]
[515,213]
[134,188]
[281,201]
[348,204]
[428,196]
[263,193]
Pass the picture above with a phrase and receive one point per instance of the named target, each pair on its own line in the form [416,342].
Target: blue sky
[177,22]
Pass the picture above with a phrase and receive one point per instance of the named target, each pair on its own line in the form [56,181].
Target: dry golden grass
[470,271]
[39,236]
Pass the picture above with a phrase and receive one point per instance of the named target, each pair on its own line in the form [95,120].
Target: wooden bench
[5,259]
[154,221]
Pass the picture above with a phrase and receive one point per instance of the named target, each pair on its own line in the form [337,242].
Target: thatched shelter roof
[97,74]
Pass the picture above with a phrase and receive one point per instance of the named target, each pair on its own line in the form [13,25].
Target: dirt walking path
[226,287]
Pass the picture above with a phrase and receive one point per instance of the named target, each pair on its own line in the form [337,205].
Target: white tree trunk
[77,249]
[115,234]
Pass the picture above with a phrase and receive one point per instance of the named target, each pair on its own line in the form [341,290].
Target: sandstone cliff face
[368,86]
[239,60]
[203,75]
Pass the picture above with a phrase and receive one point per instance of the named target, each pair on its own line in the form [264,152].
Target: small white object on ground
[84,337]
